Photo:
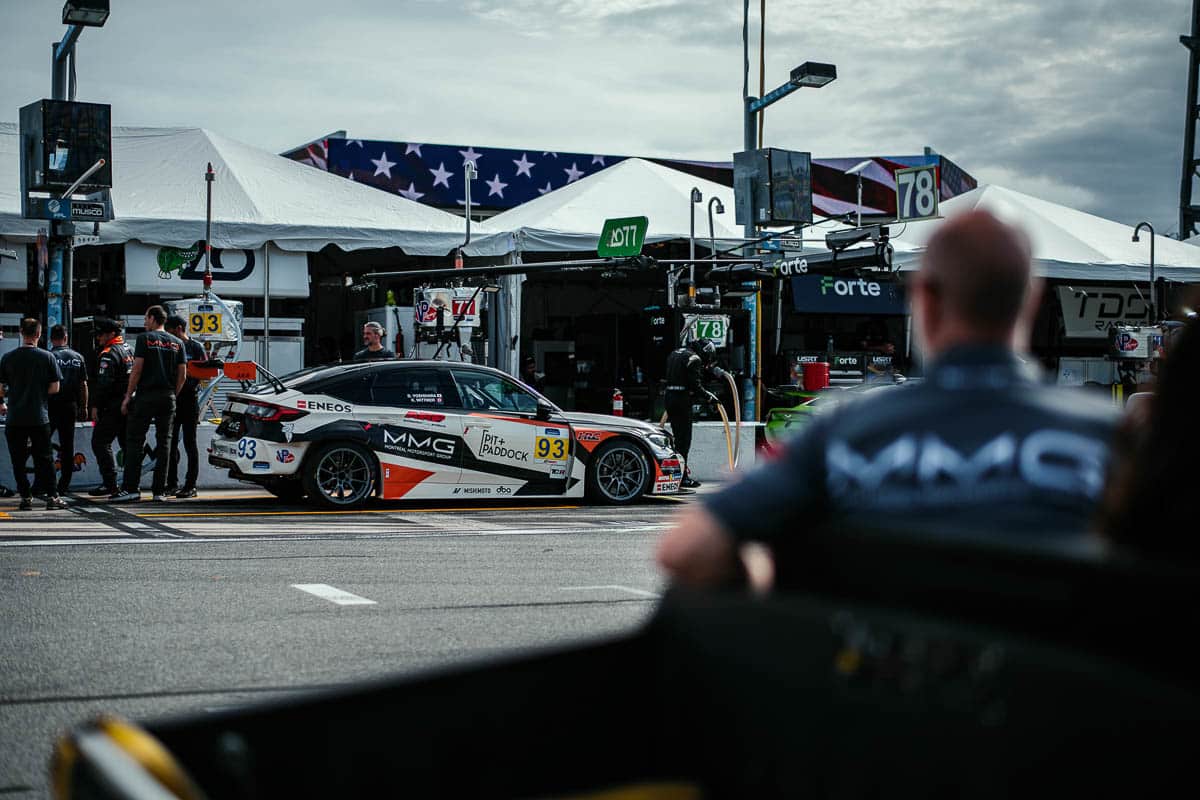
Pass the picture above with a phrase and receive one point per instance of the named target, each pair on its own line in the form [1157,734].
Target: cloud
[1079,100]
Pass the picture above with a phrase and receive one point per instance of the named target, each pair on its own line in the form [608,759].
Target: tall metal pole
[696,197]
[267,305]
[1153,288]
[1188,212]
[209,177]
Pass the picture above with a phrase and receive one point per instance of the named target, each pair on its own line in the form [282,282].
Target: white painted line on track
[324,537]
[93,509]
[616,587]
[333,594]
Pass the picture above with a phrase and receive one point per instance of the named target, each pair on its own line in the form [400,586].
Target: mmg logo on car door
[418,444]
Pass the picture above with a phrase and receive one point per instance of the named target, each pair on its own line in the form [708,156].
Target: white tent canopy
[159,199]
[1067,244]
[570,218]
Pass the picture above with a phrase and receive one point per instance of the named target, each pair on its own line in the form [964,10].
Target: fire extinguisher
[618,403]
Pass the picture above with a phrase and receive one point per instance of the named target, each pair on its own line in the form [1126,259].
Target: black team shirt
[27,373]
[162,354]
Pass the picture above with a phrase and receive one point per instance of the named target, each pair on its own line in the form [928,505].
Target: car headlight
[660,440]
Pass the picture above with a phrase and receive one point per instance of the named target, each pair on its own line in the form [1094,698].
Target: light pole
[76,14]
[696,198]
[809,75]
[712,239]
[1153,292]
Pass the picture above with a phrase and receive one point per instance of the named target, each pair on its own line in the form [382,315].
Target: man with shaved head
[979,447]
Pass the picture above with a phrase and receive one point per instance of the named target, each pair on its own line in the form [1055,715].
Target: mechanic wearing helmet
[685,368]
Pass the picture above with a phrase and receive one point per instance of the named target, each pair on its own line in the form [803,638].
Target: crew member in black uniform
[685,384]
[69,405]
[187,415]
[979,448]
[373,334]
[112,377]
[156,378]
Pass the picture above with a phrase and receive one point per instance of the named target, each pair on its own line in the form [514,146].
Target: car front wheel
[339,475]
[618,474]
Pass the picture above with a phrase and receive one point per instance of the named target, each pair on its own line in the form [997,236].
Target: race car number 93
[551,447]
[247,448]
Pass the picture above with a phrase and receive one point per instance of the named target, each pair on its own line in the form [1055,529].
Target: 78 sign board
[917,193]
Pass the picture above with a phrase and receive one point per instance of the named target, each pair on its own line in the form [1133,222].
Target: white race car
[339,435]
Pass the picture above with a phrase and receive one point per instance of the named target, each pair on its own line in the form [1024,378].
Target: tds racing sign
[1088,312]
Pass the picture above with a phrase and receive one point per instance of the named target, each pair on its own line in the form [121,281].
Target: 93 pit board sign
[917,193]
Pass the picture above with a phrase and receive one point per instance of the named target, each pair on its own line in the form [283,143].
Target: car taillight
[269,412]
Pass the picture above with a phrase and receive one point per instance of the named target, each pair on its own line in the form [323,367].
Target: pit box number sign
[204,322]
[623,237]
[713,328]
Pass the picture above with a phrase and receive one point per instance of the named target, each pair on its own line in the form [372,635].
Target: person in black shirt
[157,377]
[113,366]
[979,449]
[685,384]
[373,334]
[29,376]
[69,405]
[187,415]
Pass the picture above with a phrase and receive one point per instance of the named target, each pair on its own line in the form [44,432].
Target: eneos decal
[325,405]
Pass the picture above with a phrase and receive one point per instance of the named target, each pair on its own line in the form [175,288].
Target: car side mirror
[544,410]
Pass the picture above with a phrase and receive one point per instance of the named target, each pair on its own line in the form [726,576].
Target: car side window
[483,391]
[414,387]
[352,390]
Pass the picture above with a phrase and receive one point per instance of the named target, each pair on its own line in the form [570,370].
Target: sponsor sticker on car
[472,490]
[325,405]
[284,456]
[666,486]
[494,446]
[262,465]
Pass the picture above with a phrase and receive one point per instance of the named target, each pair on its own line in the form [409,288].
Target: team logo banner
[236,273]
[1088,311]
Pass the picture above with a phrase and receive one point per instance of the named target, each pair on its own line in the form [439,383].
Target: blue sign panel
[830,294]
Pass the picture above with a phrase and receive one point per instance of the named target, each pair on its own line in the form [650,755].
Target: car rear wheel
[618,474]
[339,475]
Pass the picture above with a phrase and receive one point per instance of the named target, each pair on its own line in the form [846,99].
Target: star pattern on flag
[495,186]
[411,192]
[524,165]
[441,175]
[425,173]
[383,166]
[470,157]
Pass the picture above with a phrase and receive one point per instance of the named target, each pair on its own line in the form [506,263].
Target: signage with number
[204,322]
[713,328]
[623,237]
[917,193]
[550,448]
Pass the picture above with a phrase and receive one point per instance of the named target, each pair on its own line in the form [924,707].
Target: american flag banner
[434,174]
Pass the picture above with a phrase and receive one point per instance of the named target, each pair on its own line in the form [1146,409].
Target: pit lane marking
[333,594]
[614,587]
[458,509]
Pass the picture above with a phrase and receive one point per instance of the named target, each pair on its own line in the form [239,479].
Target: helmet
[704,348]
[107,326]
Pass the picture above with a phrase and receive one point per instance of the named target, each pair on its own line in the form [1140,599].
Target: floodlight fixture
[813,75]
[89,13]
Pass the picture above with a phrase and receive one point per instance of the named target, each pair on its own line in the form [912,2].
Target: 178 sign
[623,237]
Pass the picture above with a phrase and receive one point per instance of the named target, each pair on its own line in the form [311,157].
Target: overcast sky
[1076,101]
